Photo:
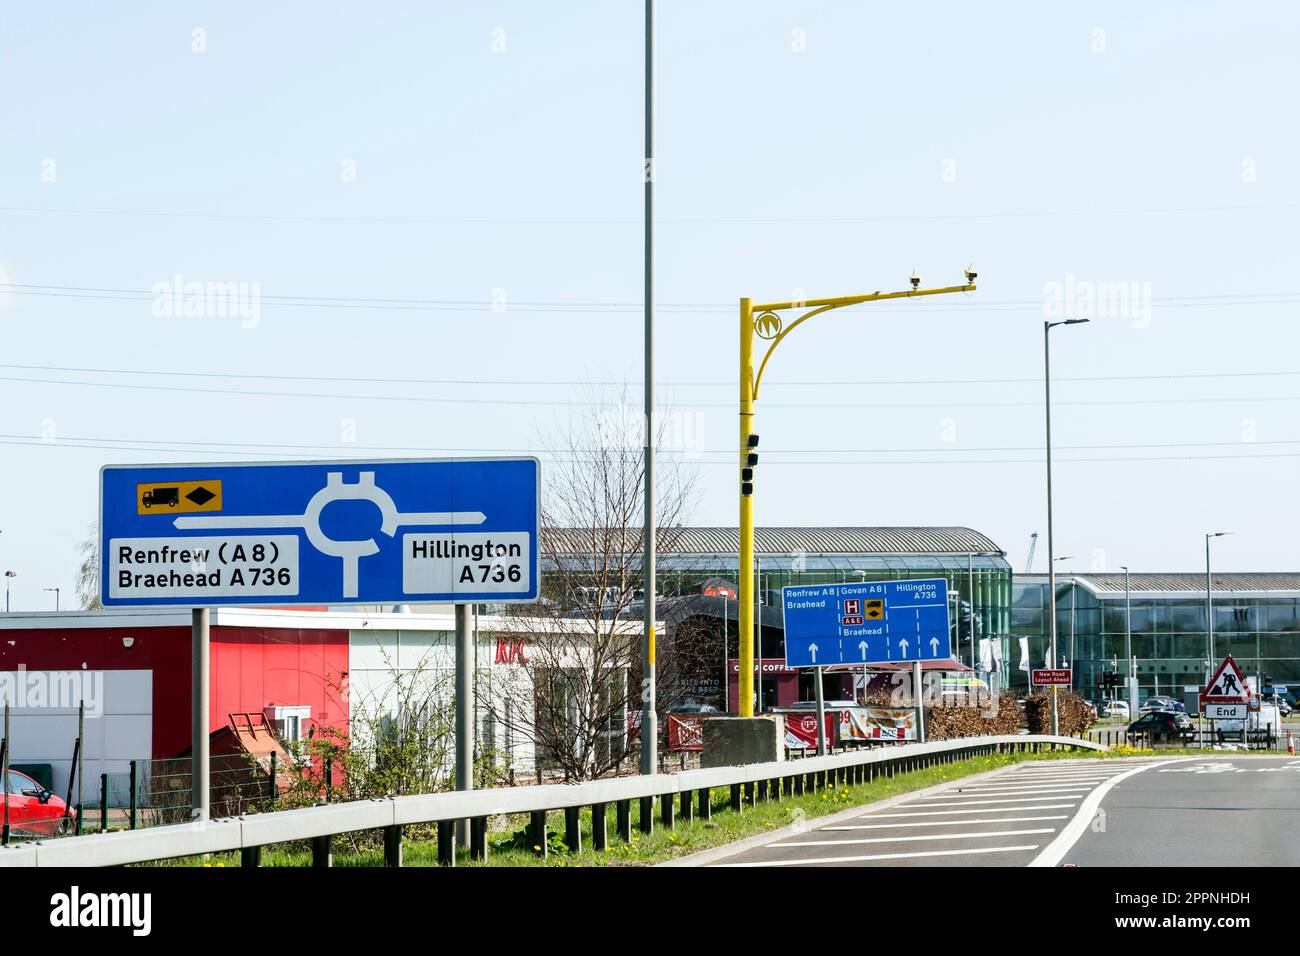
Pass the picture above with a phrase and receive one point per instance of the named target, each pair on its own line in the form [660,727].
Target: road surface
[1215,812]
[1199,811]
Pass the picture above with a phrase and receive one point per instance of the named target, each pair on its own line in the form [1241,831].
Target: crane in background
[1033,546]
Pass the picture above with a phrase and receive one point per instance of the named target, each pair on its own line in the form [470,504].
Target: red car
[33,810]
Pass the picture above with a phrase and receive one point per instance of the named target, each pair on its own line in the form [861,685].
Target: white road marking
[1027,787]
[910,839]
[1092,771]
[933,801]
[1012,791]
[1071,832]
[939,823]
[1024,778]
[1060,776]
[888,856]
[945,813]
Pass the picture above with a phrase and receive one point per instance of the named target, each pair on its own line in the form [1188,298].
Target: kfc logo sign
[510,651]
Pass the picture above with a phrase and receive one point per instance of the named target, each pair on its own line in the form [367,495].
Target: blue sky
[828,148]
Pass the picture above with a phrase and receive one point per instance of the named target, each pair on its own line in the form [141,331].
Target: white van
[1267,718]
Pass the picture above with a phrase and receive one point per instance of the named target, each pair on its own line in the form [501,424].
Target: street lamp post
[1129,641]
[1209,603]
[649,719]
[8,576]
[1051,562]
[56,596]
[764,321]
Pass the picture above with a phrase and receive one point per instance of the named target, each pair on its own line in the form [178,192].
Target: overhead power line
[37,442]
[573,383]
[690,406]
[688,453]
[633,220]
[506,306]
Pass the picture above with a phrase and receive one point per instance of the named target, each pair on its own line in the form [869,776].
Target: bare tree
[580,645]
[88,571]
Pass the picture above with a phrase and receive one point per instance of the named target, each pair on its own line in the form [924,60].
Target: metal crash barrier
[690,791]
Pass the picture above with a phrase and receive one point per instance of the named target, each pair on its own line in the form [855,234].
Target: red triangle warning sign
[1227,686]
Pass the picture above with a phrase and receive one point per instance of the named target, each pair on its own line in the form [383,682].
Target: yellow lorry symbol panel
[177,497]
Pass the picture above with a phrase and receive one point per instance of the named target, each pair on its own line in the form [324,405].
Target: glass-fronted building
[1256,621]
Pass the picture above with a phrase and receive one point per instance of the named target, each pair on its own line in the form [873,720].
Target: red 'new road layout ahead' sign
[1044,677]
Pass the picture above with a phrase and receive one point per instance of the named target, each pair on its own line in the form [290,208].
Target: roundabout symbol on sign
[350,551]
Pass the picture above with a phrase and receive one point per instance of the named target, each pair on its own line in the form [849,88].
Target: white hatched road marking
[946,813]
[924,836]
[939,801]
[1029,778]
[1030,788]
[941,823]
[1038,791]
[1064,782]
[889,856]
[1015,796]
[1058,776]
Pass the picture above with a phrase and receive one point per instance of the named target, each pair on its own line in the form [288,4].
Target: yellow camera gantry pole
[763,321]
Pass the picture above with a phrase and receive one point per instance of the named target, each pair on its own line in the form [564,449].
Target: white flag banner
[1024,654]
[997,656]
[986,654]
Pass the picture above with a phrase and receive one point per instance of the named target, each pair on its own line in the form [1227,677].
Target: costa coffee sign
[769,665]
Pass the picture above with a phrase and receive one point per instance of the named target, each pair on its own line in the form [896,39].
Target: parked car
[1285,699]
[1115,708]
[33,810]
[1160,702]
[1163,725]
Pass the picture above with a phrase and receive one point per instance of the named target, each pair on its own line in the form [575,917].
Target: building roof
[838,540]
[359,619]
[1190,583]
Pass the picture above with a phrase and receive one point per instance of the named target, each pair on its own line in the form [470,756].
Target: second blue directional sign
[867,622]
[374,532]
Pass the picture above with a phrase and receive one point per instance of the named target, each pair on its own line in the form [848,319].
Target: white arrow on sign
[812,649]
[934,647]
[862,646]
[903,645]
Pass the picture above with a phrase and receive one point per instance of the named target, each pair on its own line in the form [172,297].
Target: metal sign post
[464,713]
[200,695]
[918,693]
[4,778]
[821,712]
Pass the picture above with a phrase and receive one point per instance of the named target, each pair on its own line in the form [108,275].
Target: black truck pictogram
[170,497]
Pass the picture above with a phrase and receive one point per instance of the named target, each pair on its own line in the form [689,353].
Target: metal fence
[159,793]
[690,791]
[1198,738]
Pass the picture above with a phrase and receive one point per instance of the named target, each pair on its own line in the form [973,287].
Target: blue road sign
[867,622]
[346,532]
